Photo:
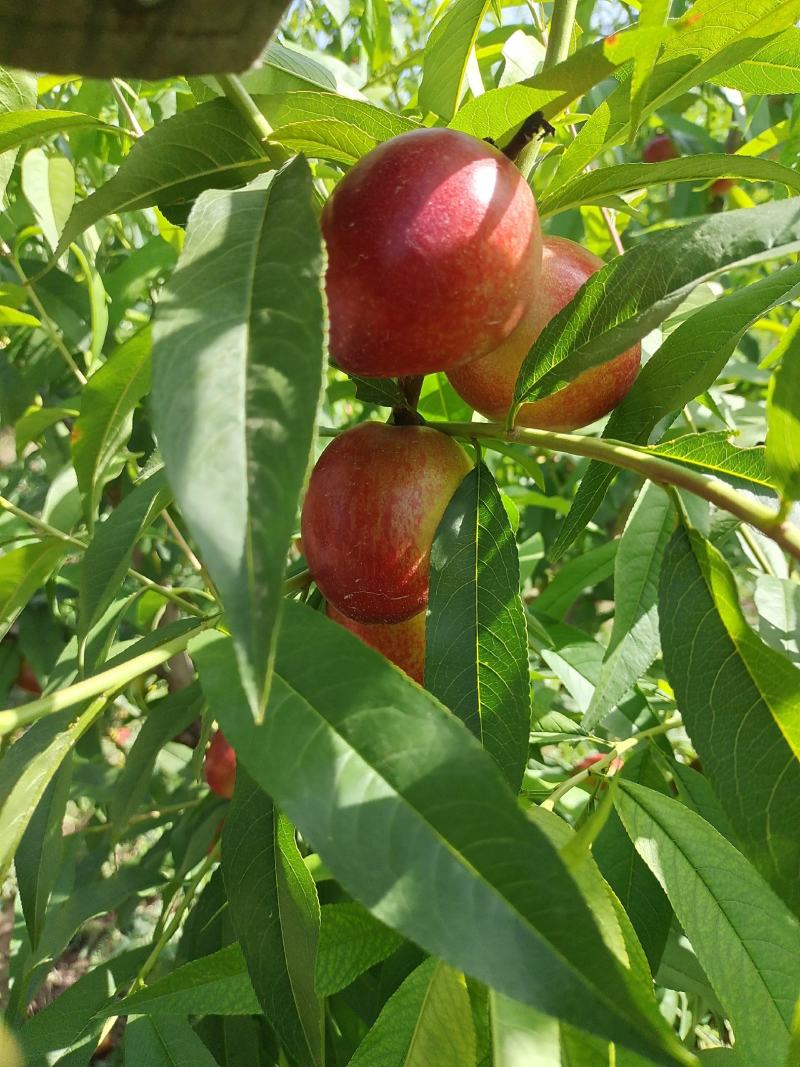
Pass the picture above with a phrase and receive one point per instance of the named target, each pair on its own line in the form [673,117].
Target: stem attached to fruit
[662,471]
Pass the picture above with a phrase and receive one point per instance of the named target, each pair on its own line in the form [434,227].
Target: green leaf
[107,403]
[383,391]
[372,122]
[354,752]
[165,719]
[639,893]
[167,1042]
[48,183]
[214,985]
[426,1023]
[712,453]
[686,364]
[498,112]
[27,768]
[653,18]
[131,280]
[36,420]
[783,421]
[695,791]
[17,93]
[635,292]
[594,187]
[15,317]
[350,942]
[69,1020]
[275,913]
[19,127]
[109,554]
[778,603]
[739,703]
[574,578]
[521,1036]
[718,34]
[22,571]
[476,650]
[746,940]
[634,641]
[444,63]
[775,68]
[38,859]
[210,146]
[248,329]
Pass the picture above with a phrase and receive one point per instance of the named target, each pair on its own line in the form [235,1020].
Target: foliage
[578,843]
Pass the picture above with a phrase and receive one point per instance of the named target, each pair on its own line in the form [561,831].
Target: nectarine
[660,149]
[220,766]
[434,253]
[401,642]
[370,514]
[488,383]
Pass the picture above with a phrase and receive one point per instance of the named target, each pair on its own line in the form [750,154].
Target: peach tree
[399,448]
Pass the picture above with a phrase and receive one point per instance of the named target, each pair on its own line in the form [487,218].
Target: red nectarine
[401,642]
[434,253]
[220,766]
[373,503]
[660,149]
[488,383]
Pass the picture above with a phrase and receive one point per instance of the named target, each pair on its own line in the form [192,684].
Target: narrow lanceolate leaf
[497,112]
[476,650]
[108,556]
[275,913]
[38,859]
[210,146]
[350,751]
[426,1023]
[26,770]
[165,720]
[783,421]
[444,65]
[635,292]
[718,34]
[713,454]
[242,321]
[686,365]
[17,93]
[651,25]
[634,641]
[104,426]
[745,938]
[371,121]
[594,187]
[171,1042]
[351,940]
[48,183]
[213,985]
[19,127]
[775,68]
[22,571]
[738,698]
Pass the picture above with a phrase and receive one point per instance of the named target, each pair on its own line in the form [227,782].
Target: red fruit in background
[660,149]
[220,766]
[373,503]
[488,383]
[403,643]
[589,761]
[722,186]
[26,679]
[434,251]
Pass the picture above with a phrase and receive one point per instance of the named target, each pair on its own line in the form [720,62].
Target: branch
[771,523]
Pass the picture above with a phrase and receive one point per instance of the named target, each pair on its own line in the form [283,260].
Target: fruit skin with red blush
[26,679]
[488,383]
[370,514]
[402,643]
[722,186]
[220,766]
[434,253]
[660,149]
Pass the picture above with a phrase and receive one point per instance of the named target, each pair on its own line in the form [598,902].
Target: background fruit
[488,383]
[401,642]
[373,503]
[660,149]
[434,252]
[722,186]
[220,766]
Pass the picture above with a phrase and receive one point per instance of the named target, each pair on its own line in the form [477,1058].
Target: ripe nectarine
[220,766]
[403,643]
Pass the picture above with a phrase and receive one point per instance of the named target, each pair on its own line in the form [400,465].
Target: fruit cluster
[436,262]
